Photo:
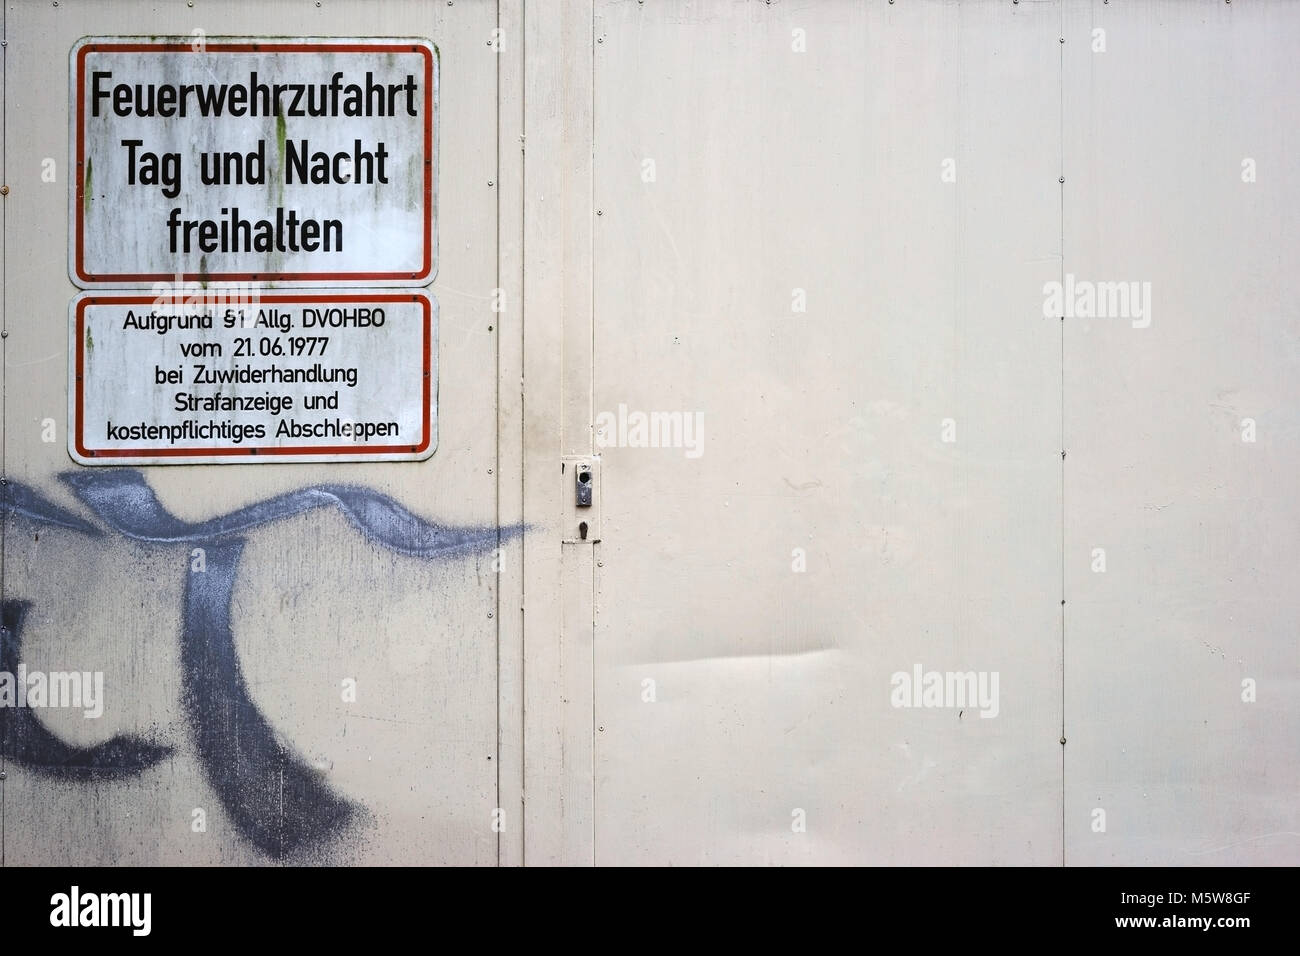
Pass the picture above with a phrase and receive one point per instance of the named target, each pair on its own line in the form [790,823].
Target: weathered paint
[182,186]
[408,772]
[277,802]
[347,375]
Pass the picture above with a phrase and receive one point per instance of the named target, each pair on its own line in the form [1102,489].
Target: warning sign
[283,162]
[347,376]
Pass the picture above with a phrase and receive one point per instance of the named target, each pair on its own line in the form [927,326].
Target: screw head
[4,334]
[1062,741]
[4,190]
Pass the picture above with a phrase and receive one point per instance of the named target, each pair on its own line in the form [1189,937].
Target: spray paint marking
[277,802]
[25,740]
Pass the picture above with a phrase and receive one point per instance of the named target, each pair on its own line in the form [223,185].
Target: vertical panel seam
[1061,118]
[4,356]
[591,412]
[496,447]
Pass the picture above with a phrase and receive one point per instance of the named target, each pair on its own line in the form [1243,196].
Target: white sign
[280,161]
[204,378]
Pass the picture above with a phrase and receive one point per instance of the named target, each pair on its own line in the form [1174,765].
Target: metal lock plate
[581,476]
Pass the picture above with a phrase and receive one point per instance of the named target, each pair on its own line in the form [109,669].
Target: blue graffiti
[25,740]
[276,801]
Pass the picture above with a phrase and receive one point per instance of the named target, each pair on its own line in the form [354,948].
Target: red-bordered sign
[215,48]
[90,453]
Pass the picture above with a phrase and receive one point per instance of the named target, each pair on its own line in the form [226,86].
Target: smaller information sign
[347,376]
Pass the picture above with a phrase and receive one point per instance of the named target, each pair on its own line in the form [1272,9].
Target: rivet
[1062,39]
[600,39]
[1062,741]
[1062,179]
[600,212]
[4,190]
[4,775]
[600,564]
[4,334]
[490,182]
[489,613]
[489,471]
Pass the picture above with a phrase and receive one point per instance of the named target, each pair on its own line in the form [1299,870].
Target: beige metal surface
[315,601]
[821,171]
[1164,131]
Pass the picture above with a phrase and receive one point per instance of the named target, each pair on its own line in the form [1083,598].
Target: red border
[243,451]
[246,48]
